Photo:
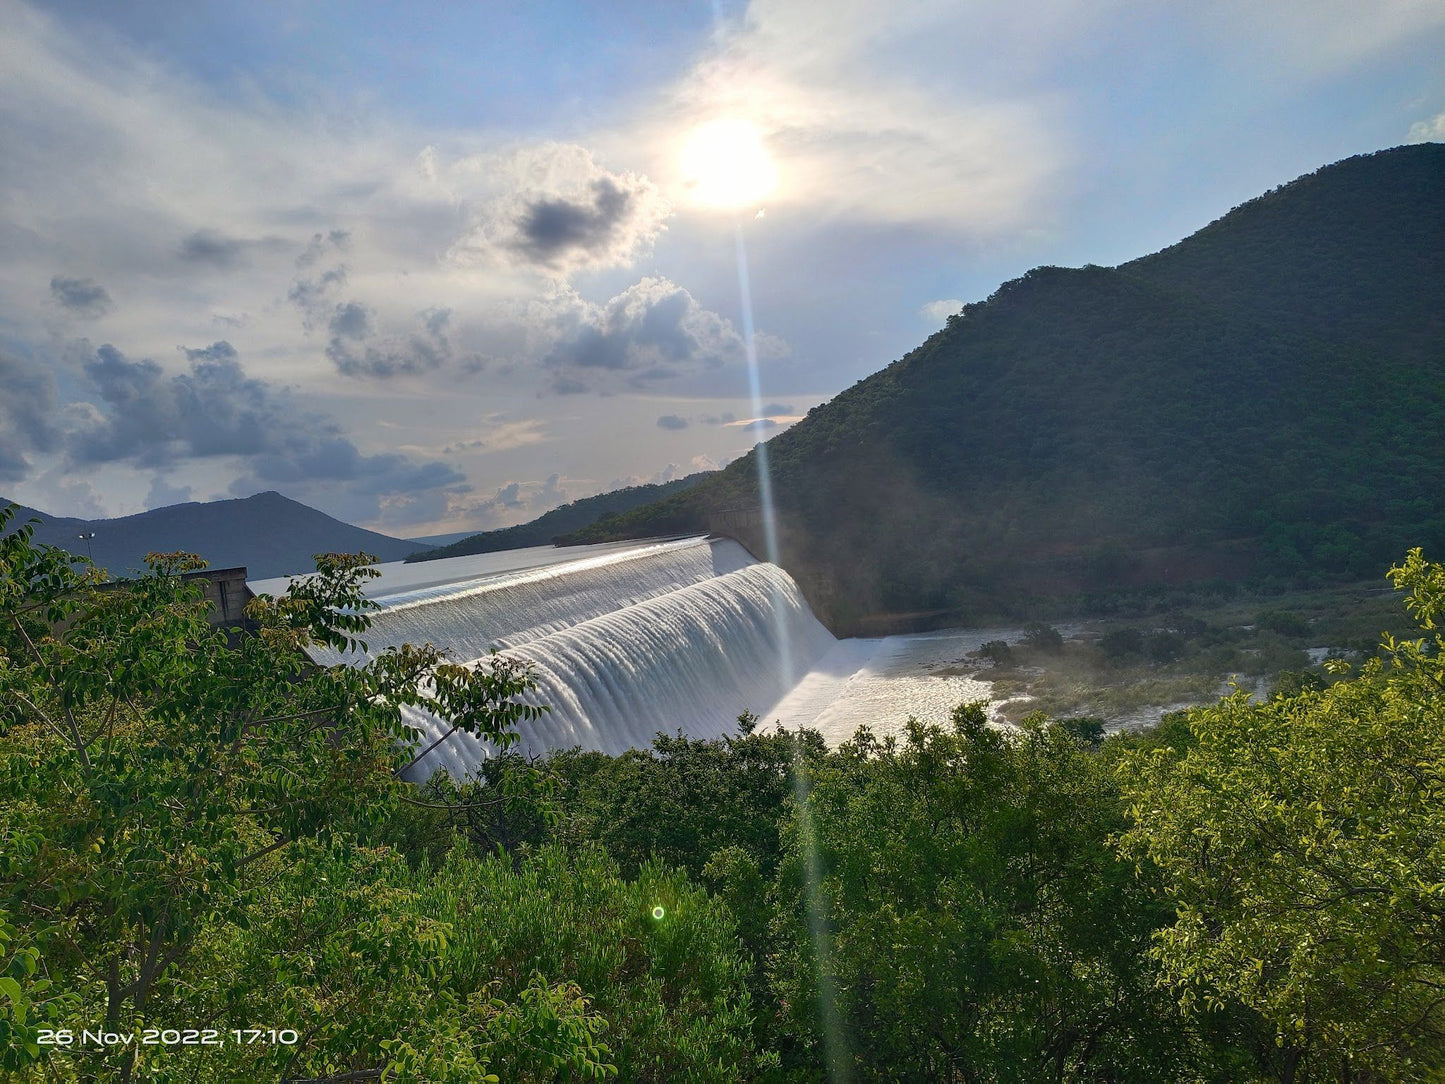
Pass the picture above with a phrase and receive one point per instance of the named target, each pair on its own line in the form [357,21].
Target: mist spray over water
[835,1053]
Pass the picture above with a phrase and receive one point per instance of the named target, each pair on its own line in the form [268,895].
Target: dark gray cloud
[652,331]
[725,418]
[351,320]
[321,244]
[333,457]
[672,421]
[784,409]
[27,415]
[550,231]
[219,250]
[209,246]
[565,214]
[218,352]
[356,349]
[310,294]
[83,297]
[150,419]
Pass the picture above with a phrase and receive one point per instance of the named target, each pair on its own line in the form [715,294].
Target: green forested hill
[1263,399]
[570,517]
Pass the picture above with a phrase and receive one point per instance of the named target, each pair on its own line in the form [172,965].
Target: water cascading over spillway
[681,635]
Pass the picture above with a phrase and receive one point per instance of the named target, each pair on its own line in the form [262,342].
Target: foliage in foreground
[187,842]
[1253,891]
[203,832]
[972,923]
[1302,843]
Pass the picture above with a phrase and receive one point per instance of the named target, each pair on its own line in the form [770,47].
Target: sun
[724,165]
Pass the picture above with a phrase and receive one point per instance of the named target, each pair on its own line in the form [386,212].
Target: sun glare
[725,166]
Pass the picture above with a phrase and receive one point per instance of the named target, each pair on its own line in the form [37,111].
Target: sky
[443,267]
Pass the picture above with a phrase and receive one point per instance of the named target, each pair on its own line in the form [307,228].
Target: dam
[629,639]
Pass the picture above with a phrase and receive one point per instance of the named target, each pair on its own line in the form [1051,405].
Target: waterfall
[680,635]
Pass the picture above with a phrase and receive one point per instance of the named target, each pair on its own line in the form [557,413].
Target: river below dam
[629,639]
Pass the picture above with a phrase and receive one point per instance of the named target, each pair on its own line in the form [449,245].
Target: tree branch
[414,760]
[75,734]
[263,852]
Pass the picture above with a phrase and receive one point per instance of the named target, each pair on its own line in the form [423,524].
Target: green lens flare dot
[658,912]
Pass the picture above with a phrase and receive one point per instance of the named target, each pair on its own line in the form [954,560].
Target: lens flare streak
[835,1053]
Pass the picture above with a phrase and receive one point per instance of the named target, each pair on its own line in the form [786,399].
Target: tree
[152,766]
[1043,637]
[997,652]
[975,923]
[1302,843]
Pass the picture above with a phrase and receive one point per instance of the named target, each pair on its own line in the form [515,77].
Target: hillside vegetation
[570,517]
[1262,401]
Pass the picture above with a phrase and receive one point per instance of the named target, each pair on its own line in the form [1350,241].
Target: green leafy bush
[1302,843]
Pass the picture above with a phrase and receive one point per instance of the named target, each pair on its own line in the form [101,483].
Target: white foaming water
[628,640]
[678,635]
[470,614]
[690,660]
[881,683]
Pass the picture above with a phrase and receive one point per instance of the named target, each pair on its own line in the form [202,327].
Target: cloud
[563,213]
[309,294]
[510,496]
[323,244]
[1428,131]
[672,421]
[725,418]
[215,248]
[351,320]
[939,311]
[653,331]
[550,229]
[83,297]
[776,409]
[162,493]
[514,502]
[972,119]
[150,419]
[356,350]
[311,291]
[79,499]
[27,416]
[871,117]
[669,473]
[500,435]
[208,246]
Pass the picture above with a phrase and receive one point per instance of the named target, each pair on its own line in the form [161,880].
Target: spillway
[666,636]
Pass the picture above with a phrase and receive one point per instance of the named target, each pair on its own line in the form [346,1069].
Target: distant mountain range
[1263,401]
[269,534]
[559,521]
